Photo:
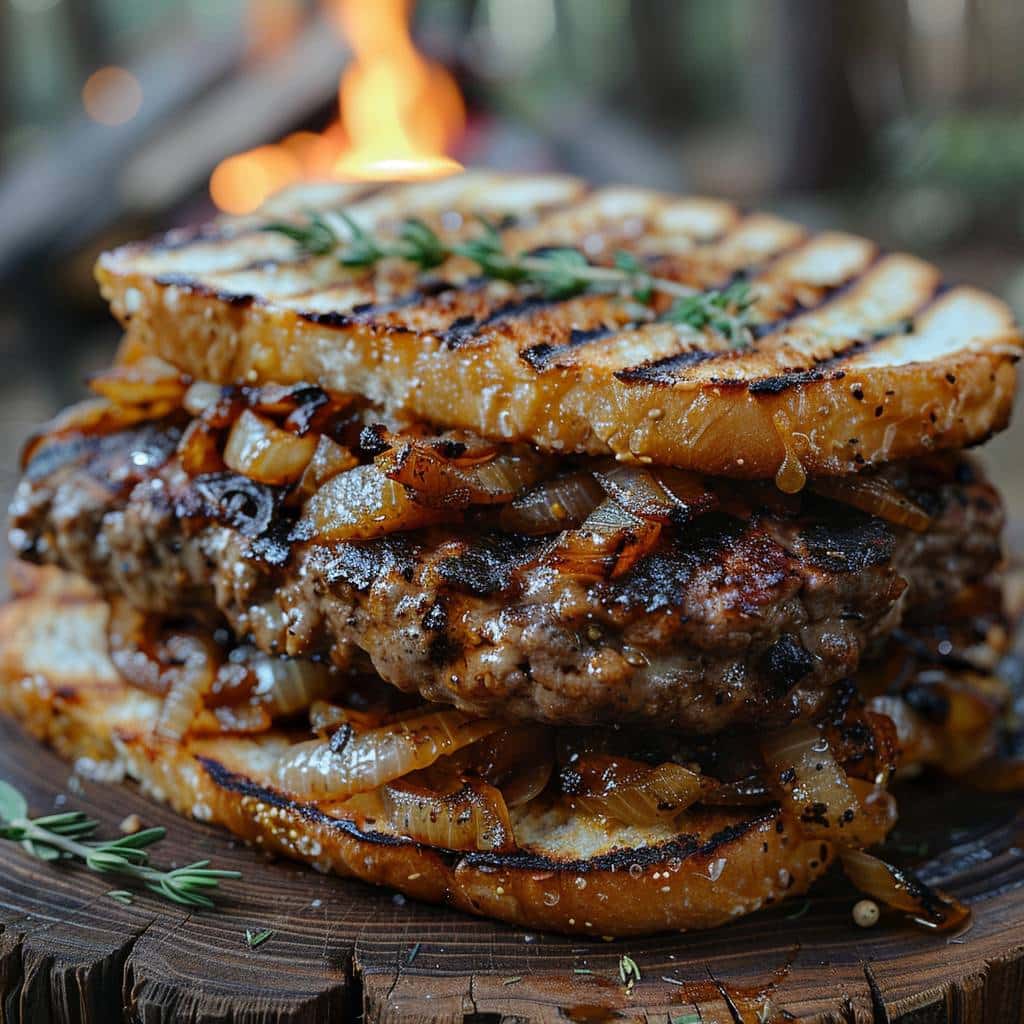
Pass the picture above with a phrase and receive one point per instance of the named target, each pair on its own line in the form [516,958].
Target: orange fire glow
[400,114]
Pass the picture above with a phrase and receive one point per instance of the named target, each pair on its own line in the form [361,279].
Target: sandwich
[588,559]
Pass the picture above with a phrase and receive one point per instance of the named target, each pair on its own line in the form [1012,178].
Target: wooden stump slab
[68,952]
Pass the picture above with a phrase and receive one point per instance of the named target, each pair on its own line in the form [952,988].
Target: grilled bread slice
[570,874]
[856,356]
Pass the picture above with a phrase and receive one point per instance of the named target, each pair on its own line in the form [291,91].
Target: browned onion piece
[518,760]
[749,791]
[132,638]
[140,383]
[450,481]
[200,396]
[553,505]
[286,685]
[608,543]
[199,449]
[876,815]
[809,783]
[902,890]
[243,719]
[967,732]
[877,497]
[262,451]
[325,717]
[472,816]
[191,677]
[329,459]
[360,504]
[663,495]
[92,417]
[633,792]
[354,762]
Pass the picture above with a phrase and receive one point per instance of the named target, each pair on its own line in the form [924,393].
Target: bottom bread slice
[571,873]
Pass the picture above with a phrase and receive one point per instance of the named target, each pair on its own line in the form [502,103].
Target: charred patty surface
[742,617]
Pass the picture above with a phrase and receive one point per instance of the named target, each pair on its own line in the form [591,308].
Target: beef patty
[744,617]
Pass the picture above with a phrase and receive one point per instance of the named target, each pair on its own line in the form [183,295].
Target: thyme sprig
[560,272]
[67,836]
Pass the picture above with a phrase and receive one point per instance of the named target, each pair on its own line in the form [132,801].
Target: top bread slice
[857,357]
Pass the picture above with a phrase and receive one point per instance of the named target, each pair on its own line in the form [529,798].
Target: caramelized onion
[262,451]
[518,760]
[92,417]
[329,459]
[360,504]
[440,480]
[902,890]
[875,496]
[132,638]
[632,792]
[472,816]
[354,762]
[190,679]
[286,685]
[199,449]
[242,719]
[963,734]
[805,777]
[749,791]
[143,382]
[607,544]
[663,495]
[553,505]
[200,396]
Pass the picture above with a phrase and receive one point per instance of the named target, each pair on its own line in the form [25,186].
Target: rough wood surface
[70,953]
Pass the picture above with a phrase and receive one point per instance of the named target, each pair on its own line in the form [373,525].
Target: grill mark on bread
[544,354]
[663,371]
[682,848]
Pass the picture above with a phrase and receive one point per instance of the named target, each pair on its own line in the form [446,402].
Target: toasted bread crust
[860,357]
[569,877]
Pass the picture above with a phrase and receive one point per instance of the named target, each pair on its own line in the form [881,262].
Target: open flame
[400,114]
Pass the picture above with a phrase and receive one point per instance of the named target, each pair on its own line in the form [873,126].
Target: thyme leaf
[559,272]
[68,836]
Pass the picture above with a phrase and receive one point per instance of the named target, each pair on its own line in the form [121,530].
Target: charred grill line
[662,371]
[831,368]
[464,330]
[833,293]
[541,356]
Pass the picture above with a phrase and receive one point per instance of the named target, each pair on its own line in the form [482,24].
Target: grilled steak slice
[729,619]
[856,356]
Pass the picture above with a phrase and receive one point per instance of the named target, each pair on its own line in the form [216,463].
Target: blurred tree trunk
[821,136]
[90,35]
[660,80]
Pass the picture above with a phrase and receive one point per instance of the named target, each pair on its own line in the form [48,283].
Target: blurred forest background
[900,119]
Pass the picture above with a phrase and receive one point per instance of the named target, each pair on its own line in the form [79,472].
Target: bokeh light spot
[111,96]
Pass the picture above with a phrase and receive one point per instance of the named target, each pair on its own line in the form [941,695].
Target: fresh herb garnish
[629,972]
[724,311]
[64,837]
[687,1018]
[256,939]
[559,272]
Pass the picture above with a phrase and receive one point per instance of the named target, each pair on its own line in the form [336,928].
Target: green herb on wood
[67,836]
[255,939]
